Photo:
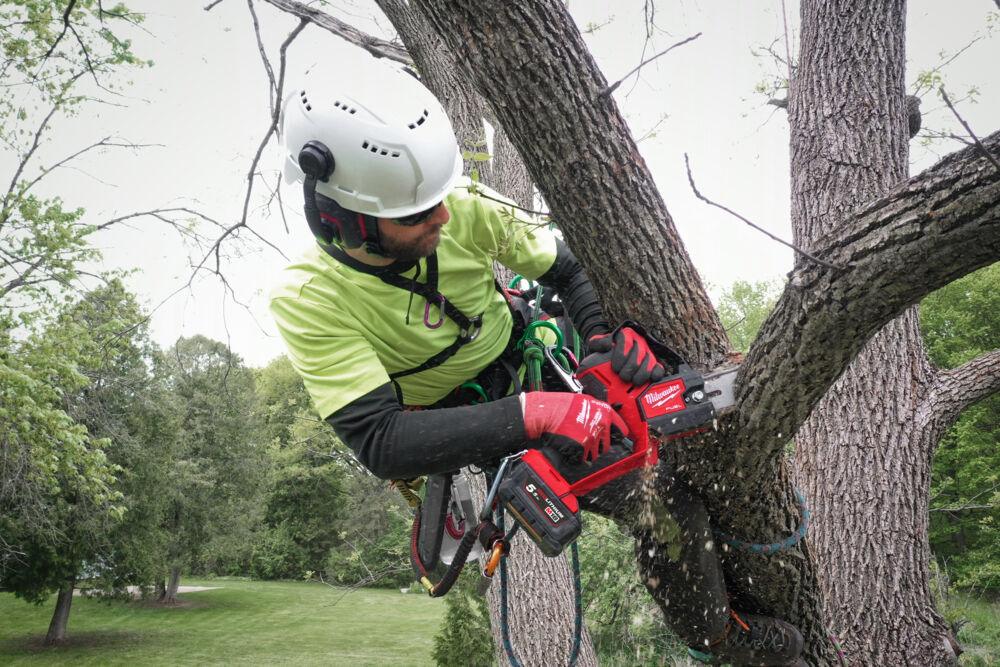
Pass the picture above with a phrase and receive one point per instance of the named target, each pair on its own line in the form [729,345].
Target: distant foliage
[465,638]
[625,624]
[744,307]
[960,322]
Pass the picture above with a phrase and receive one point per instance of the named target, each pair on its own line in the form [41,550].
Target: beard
[413,249]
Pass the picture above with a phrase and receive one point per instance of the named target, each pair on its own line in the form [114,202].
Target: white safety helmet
[392,146]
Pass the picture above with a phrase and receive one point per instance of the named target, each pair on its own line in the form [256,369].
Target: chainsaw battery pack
[539,499]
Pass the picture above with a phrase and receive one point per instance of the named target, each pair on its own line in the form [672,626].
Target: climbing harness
[433,520]
[468,326]
[486,533]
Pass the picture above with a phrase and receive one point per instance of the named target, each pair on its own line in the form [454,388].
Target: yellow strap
[407,490]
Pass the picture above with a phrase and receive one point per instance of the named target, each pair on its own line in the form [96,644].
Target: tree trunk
[161,589]
[175,582]
[862,458]
[530,61]
[540,603]
[60,618]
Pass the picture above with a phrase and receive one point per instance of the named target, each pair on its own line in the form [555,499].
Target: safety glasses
[416,218]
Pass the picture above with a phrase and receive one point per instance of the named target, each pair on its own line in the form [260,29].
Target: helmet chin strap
[349,228]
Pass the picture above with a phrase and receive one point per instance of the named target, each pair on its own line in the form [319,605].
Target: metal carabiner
[427,312]
[567,377]
[487,511]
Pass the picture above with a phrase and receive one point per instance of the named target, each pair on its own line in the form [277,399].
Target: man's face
[411,243]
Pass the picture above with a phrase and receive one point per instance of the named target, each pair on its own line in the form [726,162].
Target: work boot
[756,640]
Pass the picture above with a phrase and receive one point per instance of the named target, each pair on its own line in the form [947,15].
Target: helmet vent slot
[305,101]
[378,150]
[419,121]
[343,107]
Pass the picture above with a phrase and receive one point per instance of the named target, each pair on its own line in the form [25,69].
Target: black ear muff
[316,161]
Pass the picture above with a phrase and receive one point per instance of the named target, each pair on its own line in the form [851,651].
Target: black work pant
[683,574]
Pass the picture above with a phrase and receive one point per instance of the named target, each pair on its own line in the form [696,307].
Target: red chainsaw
[540,489]
[541,492]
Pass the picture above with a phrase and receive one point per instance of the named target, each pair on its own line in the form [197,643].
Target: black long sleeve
[567,277]
[398,444]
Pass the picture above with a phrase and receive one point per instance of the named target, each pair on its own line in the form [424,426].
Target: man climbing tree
[396,230]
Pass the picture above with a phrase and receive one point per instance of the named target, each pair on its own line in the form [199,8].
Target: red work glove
[631,357]
[570,419]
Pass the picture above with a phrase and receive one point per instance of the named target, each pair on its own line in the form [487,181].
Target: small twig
[610,89]
[759,229]
[788,49]
[968,129]
[479,193]
[210,5]
[963,508]
[263,55]
[272,128]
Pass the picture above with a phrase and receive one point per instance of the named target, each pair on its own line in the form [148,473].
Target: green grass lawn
[980,632]
[244,622]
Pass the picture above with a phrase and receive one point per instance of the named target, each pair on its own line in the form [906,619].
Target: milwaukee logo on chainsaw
[662,399]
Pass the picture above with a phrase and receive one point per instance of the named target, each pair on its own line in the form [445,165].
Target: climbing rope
[773,547]
[533,349]
[508,646]
[760,548]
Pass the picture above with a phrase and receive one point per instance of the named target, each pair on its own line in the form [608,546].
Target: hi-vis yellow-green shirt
[346,330]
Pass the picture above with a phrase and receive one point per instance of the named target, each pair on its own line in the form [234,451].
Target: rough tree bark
[60,618]
[529,61]
[864,455]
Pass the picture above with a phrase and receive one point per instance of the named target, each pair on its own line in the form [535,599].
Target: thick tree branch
[956,389]
[928,231]
[379,48]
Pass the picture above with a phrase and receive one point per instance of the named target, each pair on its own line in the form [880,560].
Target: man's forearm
[398,444]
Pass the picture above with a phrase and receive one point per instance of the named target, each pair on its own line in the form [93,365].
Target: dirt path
[135,590]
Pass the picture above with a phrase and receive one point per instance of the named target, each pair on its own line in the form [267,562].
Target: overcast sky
[205,101]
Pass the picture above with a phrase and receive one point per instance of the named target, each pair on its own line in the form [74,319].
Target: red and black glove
[570,419]
[631,357]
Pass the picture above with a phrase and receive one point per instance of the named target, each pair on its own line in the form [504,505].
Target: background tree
[743,307]
[61,58]
[213,491]
[960,322]
[304,495]
[42,246]
[103,337]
